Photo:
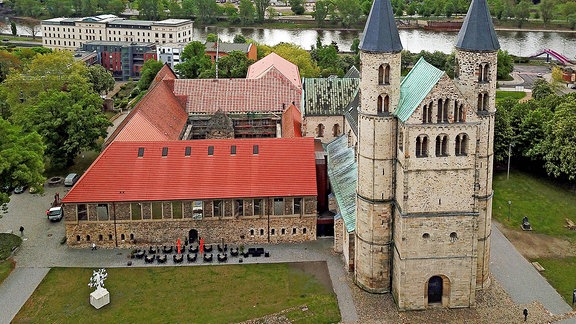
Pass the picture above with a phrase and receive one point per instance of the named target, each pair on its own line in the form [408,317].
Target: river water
[520,43]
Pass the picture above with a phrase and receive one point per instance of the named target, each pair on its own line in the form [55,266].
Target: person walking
[21,230]
[93,246]
[525,312]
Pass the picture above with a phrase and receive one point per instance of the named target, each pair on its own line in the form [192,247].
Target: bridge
[561,58]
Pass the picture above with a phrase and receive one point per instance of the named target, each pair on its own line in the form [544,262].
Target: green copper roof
[343,174]
[415,87]
[328,96]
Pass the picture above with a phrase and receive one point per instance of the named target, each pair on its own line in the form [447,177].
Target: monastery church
[420,227]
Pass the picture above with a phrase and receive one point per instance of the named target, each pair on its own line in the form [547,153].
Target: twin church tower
[425,155]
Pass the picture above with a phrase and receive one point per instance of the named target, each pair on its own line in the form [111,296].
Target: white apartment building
[170,53]
[72,33]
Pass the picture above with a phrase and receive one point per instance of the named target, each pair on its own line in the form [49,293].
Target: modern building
[123,59]
[72,33]
[420,223]
[169,53]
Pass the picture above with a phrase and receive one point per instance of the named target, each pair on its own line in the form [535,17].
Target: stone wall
[310,127]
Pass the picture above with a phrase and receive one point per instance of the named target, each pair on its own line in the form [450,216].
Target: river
[520,43]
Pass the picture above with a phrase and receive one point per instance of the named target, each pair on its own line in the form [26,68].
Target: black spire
[380,33]
[477,32]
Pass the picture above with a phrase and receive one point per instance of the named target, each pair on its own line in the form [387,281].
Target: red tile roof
[158,116]
[283,167]
[291,122]
[265,94]
[271,61]
[165,73]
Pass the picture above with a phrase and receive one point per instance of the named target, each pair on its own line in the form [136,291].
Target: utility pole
[509,150]
[216,60]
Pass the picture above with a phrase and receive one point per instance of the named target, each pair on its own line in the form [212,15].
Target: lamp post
[509,154]
[509,209]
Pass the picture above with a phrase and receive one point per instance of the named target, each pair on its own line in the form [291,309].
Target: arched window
[320,130]
[336,130]
[100,237]
[483,69]
[380,105]
[442,145]
[485,102]
[461,145]
[458,112]
[122,237]
[384,74]
[88,238]
[440,110]
[445,111]
[383,104]
[425,112]
[482,101]
[422,146]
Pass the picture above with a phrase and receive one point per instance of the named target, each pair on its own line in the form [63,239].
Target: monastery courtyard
[41,250]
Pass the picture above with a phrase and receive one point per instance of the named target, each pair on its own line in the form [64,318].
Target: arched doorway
[192,236]
[435,290]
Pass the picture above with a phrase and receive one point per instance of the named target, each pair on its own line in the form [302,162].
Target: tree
[207,11]
[297,6]
[246,11]
[234,65]
[349,11]
[261,6]
[294,54]
[8,61]
[505,65]
[522,12]
[239,39]
[115,7]
[212,38]
[100,78]
[150,9]
[28,8]
[560,157]
[546,10]
[31,25]
[195,61]
[188,8]
[69,122]
[21,157]
[321,10]
[148,73]
[503,131]
[541,89]
[59,8]
[13,28]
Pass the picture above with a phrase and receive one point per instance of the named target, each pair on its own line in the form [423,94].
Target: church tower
[380,59]
[476,62]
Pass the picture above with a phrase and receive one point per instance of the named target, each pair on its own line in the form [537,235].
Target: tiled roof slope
[415,87]
[283,167]
[477,32]
[273,60]
[265,94]
[227,47]
[343,173]
[291,122]
[165,73]
[351,113]
[380,33]
[328,96]
[352,73]
[157,116]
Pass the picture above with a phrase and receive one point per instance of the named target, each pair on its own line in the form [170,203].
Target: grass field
[546,204]
[6,268]
[517,95]
[207,294]
[561,274]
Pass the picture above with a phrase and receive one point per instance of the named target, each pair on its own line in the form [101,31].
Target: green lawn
[517,95]
[6,267]
[546,204]
[561,273]
[207,294]
[7,242]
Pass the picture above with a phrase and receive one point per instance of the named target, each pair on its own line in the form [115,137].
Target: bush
[8,242]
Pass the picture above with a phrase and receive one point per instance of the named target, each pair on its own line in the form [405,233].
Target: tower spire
[477,32]
[380,33]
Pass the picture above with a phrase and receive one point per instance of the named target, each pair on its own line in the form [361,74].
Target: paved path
[519,278]
[16,290]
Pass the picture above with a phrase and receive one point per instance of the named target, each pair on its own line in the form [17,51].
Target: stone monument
[99,297]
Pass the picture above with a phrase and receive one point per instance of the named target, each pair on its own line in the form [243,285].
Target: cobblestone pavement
[42,250]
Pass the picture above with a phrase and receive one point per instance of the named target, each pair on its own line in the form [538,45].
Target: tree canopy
[149,70]
[195,61]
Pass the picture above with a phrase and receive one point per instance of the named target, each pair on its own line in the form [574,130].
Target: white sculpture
[99,297]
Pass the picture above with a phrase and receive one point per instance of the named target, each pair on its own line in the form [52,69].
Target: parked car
[71,179]
[55,214]
[20,189]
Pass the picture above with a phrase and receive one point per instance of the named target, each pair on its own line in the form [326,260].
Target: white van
[71,179]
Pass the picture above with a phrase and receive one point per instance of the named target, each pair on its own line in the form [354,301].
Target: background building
[123,59]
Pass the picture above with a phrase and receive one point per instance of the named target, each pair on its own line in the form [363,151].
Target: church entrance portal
[435,290]
[192,236]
